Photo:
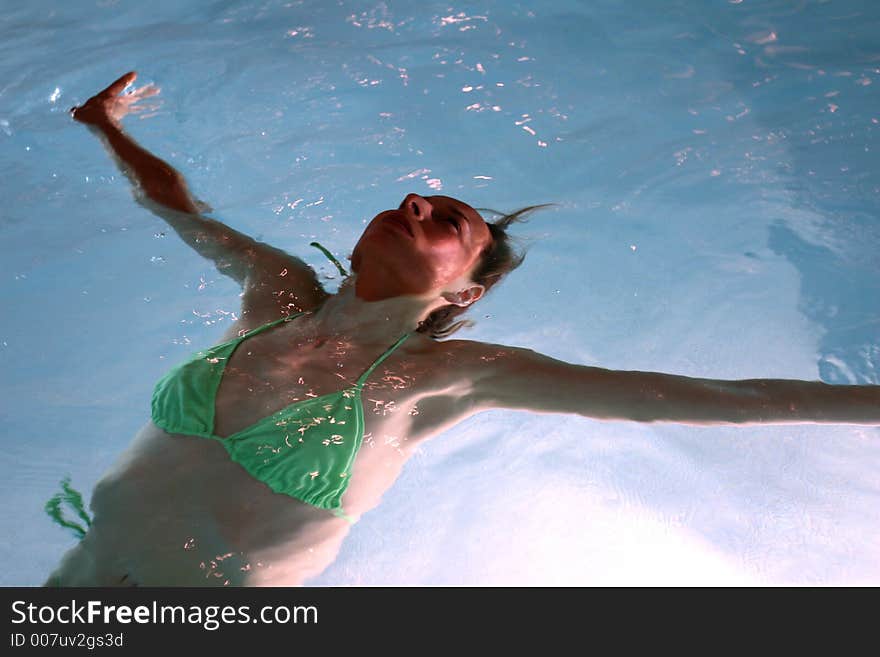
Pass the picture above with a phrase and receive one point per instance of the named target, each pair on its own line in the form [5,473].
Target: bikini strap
[262,328]
[339,513]
[363,378]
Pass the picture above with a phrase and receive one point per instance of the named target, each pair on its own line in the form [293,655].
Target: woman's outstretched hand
[110,105]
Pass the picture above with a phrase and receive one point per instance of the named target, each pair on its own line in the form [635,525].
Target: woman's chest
[261,381]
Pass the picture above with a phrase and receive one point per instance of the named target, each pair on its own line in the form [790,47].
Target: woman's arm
[270,276]
[155,178]
[523,379]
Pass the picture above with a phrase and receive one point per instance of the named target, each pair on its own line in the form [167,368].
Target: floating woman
[259,454]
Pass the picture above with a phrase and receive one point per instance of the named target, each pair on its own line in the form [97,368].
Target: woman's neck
[344,313]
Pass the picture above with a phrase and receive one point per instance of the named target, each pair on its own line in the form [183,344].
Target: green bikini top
[305,450]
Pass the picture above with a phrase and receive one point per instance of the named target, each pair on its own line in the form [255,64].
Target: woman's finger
[149,107]
[146,91]
[117,87]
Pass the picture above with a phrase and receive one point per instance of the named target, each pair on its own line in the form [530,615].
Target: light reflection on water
[718,217]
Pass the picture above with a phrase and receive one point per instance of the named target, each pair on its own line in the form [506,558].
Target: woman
[240,476]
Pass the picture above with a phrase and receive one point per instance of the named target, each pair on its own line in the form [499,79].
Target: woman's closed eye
[454,222]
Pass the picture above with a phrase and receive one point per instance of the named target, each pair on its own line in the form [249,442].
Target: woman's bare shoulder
[255,316]
[485,351]
[475,359]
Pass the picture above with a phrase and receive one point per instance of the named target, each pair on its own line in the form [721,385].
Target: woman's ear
[465,297]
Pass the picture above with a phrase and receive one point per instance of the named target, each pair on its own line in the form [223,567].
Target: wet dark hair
[498,259]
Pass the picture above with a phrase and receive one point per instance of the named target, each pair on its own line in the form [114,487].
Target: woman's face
[424,245]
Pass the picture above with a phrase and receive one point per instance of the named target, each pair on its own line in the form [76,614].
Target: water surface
[716,173]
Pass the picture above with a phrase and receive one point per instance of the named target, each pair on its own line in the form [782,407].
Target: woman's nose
[417,206]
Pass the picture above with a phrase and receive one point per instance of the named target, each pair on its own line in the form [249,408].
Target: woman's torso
[175,509]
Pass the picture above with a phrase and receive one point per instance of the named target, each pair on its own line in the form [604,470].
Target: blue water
[716,173]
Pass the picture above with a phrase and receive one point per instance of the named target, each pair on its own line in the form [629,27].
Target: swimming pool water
[716,174]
